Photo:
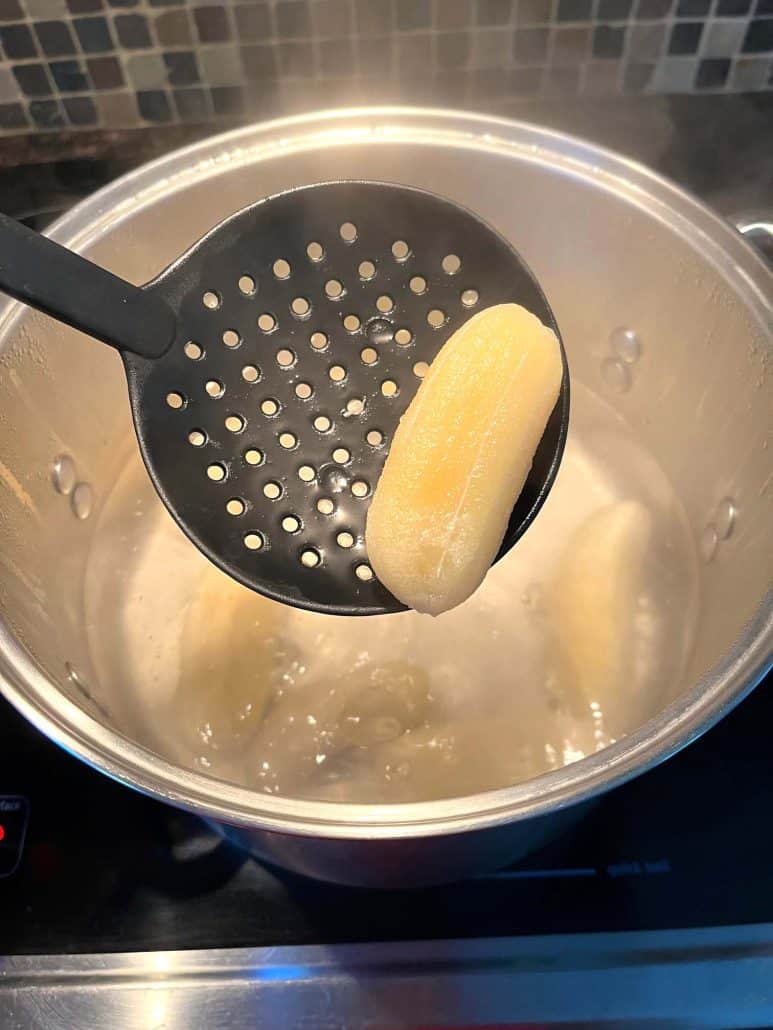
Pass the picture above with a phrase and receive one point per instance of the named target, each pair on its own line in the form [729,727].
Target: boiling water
[577,635]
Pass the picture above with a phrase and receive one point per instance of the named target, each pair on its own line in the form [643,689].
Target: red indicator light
[2,831]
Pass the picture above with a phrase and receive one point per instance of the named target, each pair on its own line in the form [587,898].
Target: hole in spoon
[348,232]
[400,250]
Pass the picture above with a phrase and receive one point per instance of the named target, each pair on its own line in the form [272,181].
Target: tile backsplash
[86,64]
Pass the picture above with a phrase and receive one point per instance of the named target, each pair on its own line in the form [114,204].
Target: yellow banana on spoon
[460,457]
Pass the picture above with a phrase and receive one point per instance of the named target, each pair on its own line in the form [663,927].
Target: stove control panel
[14,812]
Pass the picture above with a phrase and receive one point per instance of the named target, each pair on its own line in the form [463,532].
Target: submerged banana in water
[593,601]
[460,457]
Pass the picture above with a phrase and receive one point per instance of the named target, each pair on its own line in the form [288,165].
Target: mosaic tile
[115,63]
[413,14]
[561,81]
[685,38]
[181,68]
[47,114]
[11,10]
[751,73]
[293,19]
[712,73]
[173,28]
[93,34]
[454,14]
[221,65]
[295,59]
[526,80]
[646,42]
[490,49]
[145,71]
[192,104]
[9,86]
[614,10]
[490,82]
[105,72]
[227,101]
[253,21]
[652,10]
[608,41]
[17,41]
[153,105]
[84,6]
[132,30]
[637,77]
[80,111]
[571,45]
[55,38]
[733,8]
[13,118]
[212,25]
[118,110]
[335,56]
[39,10]
[759,36]
[493,12]
[33,79]
[373,17]
[602,78]
[414,54]
[723,38]
[259,62]
[692,8]
[69,76]
[452,50]
[374,55]
[574,10]
[530,46]
[331,18]
[533,12]
[675,75]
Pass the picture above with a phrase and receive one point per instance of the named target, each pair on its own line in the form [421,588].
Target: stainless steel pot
[613,245]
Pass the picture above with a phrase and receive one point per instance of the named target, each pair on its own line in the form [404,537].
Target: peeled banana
[593,601]
[228,654]
[460,457]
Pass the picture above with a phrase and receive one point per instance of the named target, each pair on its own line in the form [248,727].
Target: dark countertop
[719,147]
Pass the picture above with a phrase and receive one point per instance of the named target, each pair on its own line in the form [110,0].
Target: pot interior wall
[609,257]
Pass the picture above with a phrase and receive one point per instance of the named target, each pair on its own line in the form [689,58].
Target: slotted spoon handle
[71,289]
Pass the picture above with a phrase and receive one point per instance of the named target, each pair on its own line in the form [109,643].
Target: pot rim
[38,697]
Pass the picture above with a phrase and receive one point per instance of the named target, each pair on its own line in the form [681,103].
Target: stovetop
[86,865]
[101,868]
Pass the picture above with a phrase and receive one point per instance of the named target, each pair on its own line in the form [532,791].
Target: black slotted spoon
[269,366]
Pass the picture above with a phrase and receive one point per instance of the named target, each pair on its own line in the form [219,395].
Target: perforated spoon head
[304,326]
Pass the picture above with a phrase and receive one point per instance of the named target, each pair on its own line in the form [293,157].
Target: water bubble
[333,479]
[616,375]
[709,542]
[379,330]
[386,727]
[63,474]
[626,344]
[82,500]
[725,517]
